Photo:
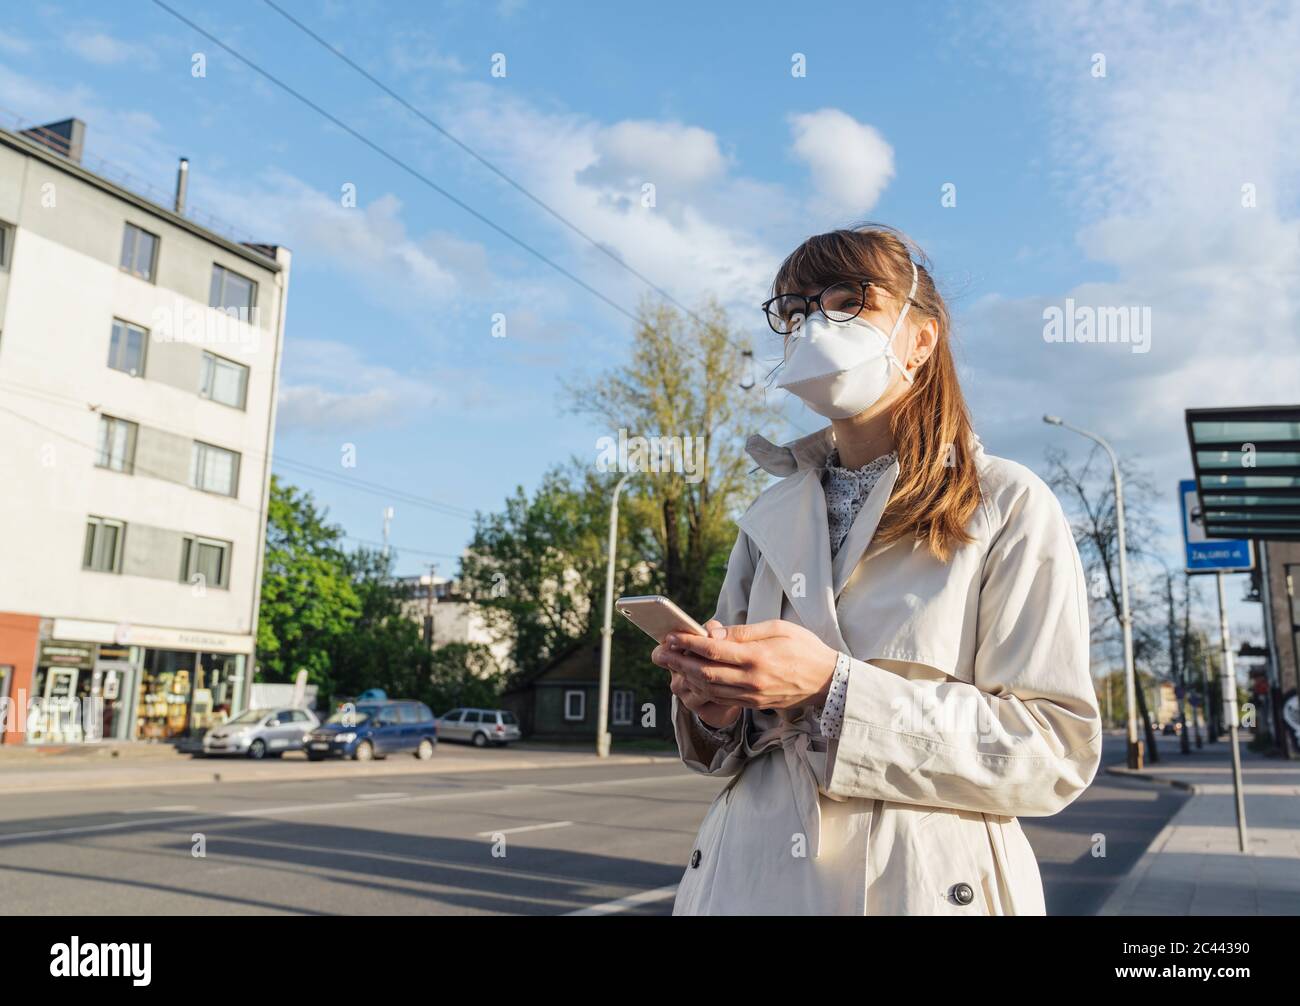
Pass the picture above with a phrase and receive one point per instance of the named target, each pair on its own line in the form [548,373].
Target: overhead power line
[398,162]
[517,186]
[744,350]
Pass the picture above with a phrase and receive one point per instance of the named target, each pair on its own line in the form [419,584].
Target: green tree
[309,601]
[463,674]
[382,648]
[686,379]
[537,568]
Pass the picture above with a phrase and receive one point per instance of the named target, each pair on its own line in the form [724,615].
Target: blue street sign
[1209,555]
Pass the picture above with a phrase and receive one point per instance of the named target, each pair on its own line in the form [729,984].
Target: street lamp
[1126,622]
[607,628]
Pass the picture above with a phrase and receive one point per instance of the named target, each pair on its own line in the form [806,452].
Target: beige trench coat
[969,704]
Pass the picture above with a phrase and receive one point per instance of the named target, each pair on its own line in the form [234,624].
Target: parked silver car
[480,727]
[261,733]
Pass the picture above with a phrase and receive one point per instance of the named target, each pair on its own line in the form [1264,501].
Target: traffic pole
[1229,682]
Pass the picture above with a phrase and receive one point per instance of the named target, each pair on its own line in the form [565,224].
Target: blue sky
[1115,190]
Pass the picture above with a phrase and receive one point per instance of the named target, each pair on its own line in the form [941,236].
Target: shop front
[183,693]
[148,683]
[81,692]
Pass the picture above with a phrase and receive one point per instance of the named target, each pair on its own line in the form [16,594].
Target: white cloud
[14,44]
[704,235]
[1153,158]
[330,386]
[99,47]
[668,154]
[850,162]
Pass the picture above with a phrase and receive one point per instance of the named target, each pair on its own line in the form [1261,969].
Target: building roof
[261,255]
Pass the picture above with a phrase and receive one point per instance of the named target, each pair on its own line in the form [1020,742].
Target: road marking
[380,796]
[525,788]
[631,901]
[159,810]
[527,827]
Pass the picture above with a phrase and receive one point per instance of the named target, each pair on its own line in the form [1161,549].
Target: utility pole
[428,607]
[1125,618]
[1230,714]
[607,628]
[388,517]
[1176,666]
[1211,718]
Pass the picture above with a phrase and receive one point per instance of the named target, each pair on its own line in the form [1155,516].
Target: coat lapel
[788,524]
[862,530]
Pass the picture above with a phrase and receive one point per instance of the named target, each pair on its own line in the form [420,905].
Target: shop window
[205,561]
[139,252]
[116,444]
[103,549]
[575,706]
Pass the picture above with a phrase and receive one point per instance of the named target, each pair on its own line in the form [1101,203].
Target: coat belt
[806,767]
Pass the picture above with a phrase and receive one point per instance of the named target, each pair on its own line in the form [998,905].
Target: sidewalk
[1193,867]
[99,766]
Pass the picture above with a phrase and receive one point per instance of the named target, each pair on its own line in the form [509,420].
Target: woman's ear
[924,341]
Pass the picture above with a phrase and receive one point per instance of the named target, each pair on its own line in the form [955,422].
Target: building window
[139,252]
[126,348]
[575,706]
[116,444]
[622,700]
[232,292]
[6,245]
[103,552]
[223,380]
[206,561]
[214,469]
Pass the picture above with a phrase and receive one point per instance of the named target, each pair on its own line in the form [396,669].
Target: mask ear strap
[889,346]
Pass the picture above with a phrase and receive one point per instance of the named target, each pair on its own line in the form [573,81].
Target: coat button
[695,859]
[963,894]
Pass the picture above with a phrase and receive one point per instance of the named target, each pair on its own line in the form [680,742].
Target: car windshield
[508,719]
[352,717]
[251,716]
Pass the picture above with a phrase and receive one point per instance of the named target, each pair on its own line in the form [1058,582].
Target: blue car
[375,730]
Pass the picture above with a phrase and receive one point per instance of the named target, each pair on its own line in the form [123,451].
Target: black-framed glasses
[840,302]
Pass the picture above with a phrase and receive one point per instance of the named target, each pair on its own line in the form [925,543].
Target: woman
[898,665]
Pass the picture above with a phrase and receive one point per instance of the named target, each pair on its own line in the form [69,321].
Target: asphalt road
[613,839]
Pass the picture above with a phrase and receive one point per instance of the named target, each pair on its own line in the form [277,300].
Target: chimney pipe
[182,182]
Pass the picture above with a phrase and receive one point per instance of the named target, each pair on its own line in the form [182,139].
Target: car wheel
[425,751]
[257,750]
[365,751]
[480,739]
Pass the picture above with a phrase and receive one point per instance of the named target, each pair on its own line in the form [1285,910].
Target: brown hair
[937,490]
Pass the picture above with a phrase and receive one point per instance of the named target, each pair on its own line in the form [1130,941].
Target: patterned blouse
[846,491]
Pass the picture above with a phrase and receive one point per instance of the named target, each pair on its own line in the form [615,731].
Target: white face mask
[841,369]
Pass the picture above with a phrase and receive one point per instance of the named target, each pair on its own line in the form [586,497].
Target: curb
[1129,773]
[345,770]
[1112,905]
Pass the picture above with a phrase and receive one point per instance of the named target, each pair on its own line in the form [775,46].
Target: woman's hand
[768,665]
[711,714]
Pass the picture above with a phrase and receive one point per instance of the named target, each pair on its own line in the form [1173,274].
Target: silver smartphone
[657,616]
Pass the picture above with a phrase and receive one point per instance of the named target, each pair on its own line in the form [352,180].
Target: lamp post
[1126,622]
[607,629]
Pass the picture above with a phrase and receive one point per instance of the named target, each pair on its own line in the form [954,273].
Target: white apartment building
[139,361]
